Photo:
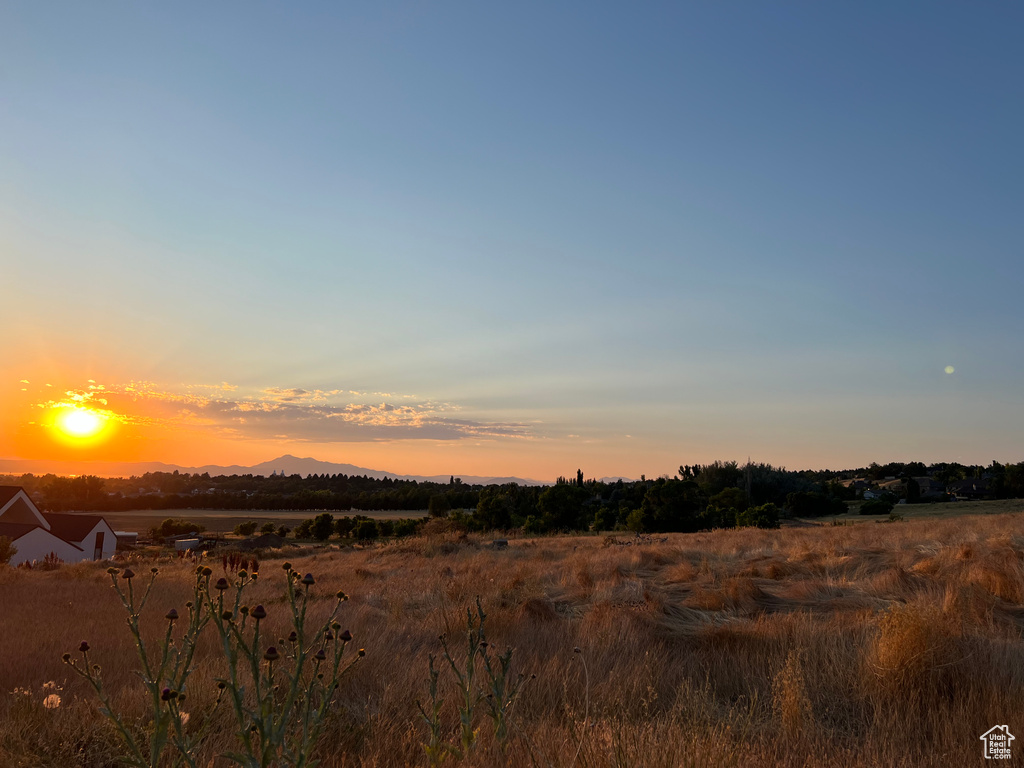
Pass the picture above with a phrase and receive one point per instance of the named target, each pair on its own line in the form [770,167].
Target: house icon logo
[997,742]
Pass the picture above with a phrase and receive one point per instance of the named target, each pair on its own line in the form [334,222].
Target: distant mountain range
[287,465]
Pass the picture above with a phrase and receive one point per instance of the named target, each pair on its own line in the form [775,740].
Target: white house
[72,538]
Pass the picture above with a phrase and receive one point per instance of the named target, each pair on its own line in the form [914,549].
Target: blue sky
[609,237]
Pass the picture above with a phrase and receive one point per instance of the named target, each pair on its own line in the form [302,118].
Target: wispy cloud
[292,413]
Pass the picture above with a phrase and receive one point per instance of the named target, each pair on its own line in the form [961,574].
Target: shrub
[267,528]
[533,526]
[876,507]
[175,526]
[343,526]
[365,530]
[635,521]
[765,516]
[406,527]
[247,528]
[302,530]
[322,527]
[7,550]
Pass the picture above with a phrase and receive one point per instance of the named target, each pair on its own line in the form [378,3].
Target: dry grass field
[894,644]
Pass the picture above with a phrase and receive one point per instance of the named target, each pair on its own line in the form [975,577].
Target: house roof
[970,484]
[71,527]
[8,492]
[16,530]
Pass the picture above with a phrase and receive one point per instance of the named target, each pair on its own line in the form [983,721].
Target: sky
[512,239]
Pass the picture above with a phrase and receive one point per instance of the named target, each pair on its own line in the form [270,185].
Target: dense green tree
[670,505]
[322,527]
[439,506]
[365,530]
[562,507]
[735,498]
[764,516]
[813,504]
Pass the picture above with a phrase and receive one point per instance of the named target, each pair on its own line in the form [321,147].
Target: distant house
[930,488]
[970,489]
[35,534]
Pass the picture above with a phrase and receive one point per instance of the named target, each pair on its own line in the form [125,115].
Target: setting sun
[80,423]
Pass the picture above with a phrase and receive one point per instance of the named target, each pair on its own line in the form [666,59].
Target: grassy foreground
[876,644]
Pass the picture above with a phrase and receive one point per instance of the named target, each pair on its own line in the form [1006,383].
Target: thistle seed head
[259,612]
[320,655]
[345,636]
[271,654]
[84,647]
[221,584]
[308,580]
[172,615]
[128,574]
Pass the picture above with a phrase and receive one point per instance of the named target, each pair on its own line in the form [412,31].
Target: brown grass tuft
[791,701]
[915,645]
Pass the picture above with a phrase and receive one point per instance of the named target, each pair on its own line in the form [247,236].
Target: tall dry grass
[889,644]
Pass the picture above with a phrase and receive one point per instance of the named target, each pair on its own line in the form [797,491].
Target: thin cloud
[292,413]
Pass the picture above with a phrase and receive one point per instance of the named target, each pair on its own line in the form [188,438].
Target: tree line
[721,494]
